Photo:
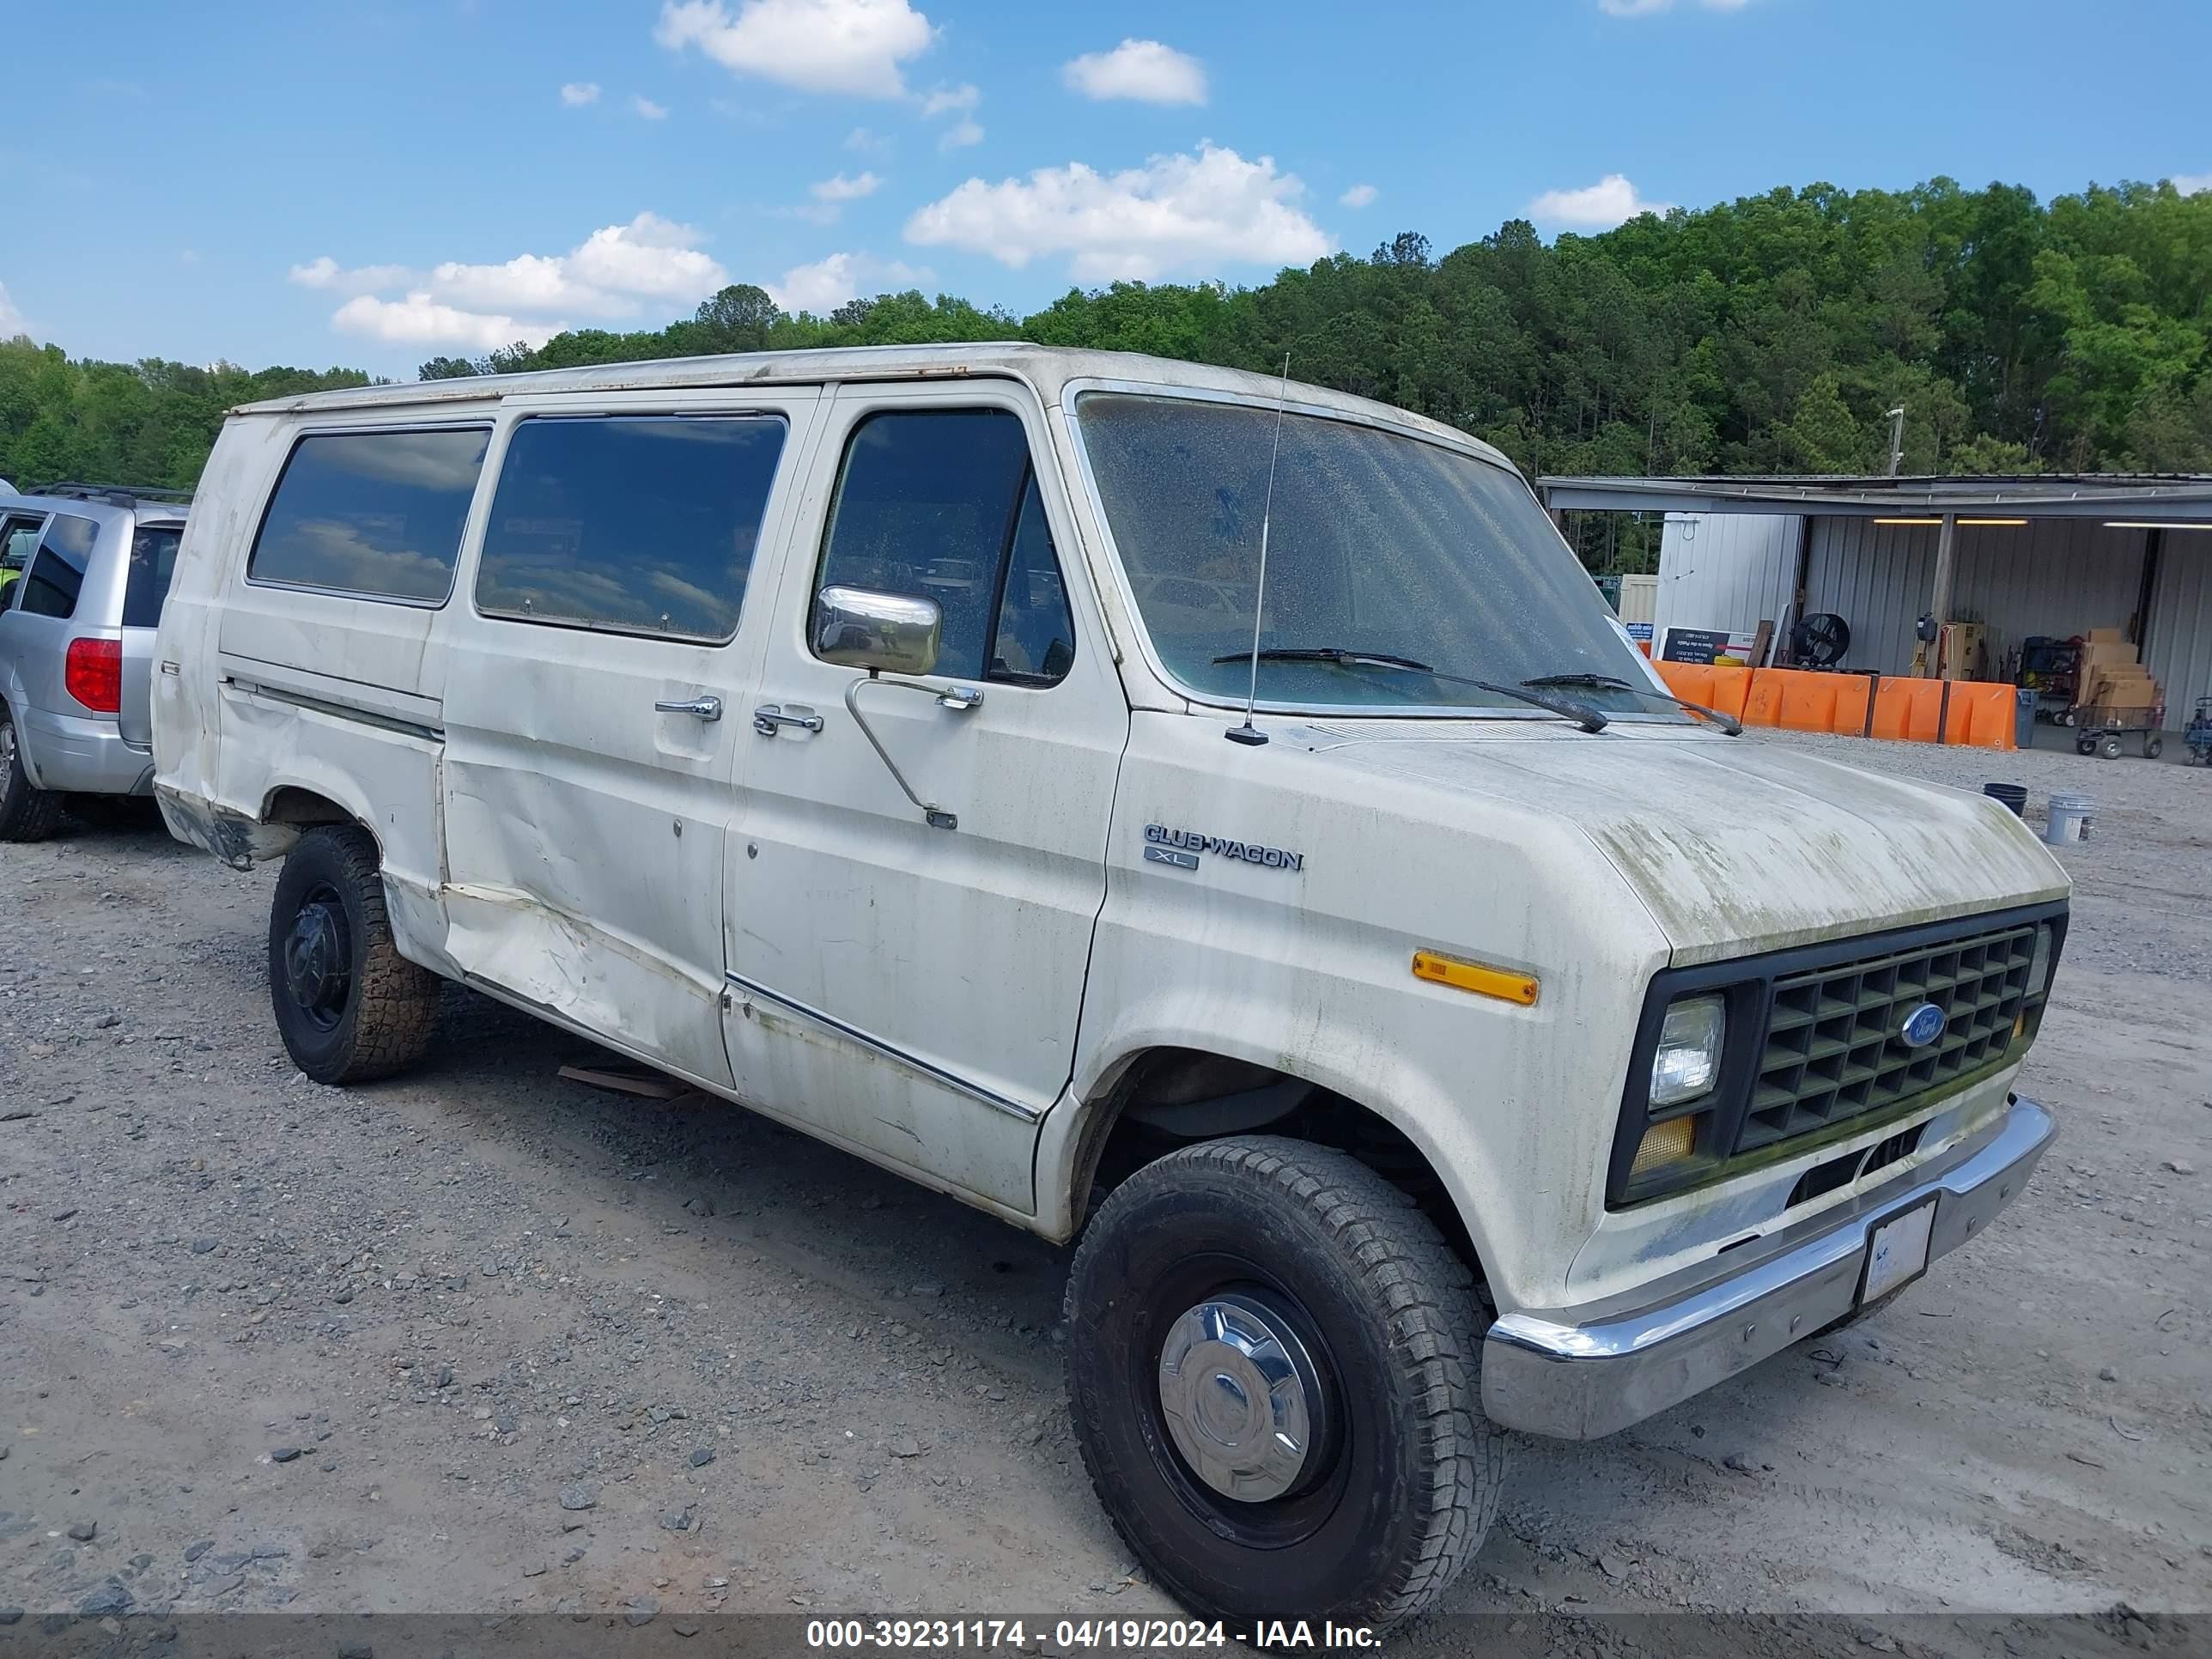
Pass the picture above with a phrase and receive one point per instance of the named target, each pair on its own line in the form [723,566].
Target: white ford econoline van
[1473,1040]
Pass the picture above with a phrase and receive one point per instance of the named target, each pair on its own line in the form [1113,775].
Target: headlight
[1687,1061]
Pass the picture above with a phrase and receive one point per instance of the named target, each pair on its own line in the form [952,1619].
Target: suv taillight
[93,674]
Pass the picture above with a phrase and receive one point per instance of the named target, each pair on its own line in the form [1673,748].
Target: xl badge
[1180,848]
[1921,1026]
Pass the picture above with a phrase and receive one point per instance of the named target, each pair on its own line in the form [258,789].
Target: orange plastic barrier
[1851,699]
[1762,700]
[1731,689]
[1980,714]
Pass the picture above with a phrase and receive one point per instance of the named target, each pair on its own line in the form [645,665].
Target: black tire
[2154,747]
[2110,749]
[27,811]
[2085,745]
[1403,1471]
[349,1006]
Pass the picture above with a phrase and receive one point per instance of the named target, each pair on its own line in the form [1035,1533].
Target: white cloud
[1358,196]
[1609,202]
[2189,183]
[959,101]
[326,273]
[12,321]
[1207,209]
[940,100]
[648,109]
[851,47]
[611,273]
[841,189]
[1143,69]
[418,319]
[824,286]
[577,94]
[863,142]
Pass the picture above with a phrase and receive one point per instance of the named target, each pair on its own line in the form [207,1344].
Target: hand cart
[2100,731]
[2198,737]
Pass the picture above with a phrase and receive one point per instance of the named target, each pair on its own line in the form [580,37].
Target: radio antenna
[1248,733]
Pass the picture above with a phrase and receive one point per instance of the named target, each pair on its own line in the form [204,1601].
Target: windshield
[1380,545]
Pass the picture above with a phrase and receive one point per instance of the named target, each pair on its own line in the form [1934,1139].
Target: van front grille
[1835,1051]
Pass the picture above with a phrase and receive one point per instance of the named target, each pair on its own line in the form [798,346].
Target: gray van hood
[1732,844]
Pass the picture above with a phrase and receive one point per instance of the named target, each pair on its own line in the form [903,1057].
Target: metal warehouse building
[2043,556]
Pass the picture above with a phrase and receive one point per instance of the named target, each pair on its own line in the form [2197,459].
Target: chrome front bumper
[1576,1373]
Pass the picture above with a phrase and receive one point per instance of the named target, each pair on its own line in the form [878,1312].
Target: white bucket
[2071,818]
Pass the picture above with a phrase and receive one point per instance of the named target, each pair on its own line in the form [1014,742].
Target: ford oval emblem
[1921,1026]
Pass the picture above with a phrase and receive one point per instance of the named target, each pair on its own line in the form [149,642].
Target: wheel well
[291,805]
[1172,1098]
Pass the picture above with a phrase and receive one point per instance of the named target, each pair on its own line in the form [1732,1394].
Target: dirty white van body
[849,733]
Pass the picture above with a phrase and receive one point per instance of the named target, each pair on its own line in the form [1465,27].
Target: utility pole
[1896,439]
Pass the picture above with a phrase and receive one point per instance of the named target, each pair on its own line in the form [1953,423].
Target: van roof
[1046,369]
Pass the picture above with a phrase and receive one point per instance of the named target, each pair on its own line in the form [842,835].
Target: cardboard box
[2107,636]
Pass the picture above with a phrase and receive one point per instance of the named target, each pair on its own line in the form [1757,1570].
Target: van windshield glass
[1381,545]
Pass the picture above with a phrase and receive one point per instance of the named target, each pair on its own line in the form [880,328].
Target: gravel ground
[482,1340]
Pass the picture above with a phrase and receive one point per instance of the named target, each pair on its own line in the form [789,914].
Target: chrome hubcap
[1242,1401]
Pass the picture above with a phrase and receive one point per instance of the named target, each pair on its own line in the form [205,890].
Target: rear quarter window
[56,577]
[376,514]
[152,563]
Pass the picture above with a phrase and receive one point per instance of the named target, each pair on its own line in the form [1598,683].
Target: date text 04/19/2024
[1073,1635]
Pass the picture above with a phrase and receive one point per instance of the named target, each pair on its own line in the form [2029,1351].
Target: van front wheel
[1271,1370]
[349,1006]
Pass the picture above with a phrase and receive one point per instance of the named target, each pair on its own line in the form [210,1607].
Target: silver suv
[85,569]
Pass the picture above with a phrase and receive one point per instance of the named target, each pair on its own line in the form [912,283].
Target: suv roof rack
[114,495]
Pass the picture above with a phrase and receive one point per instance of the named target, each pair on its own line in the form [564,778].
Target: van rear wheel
[27,811]
[1272,1367]
[349,1006]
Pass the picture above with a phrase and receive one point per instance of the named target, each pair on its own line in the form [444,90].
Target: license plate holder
[1897,1251]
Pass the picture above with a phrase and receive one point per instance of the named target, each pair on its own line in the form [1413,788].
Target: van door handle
[768,717]
[707,708]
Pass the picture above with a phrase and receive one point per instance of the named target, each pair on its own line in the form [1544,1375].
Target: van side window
[640,524]
[378,514]
[56,572]
[943,505]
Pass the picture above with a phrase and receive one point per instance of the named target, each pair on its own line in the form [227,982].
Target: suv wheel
[349,1006]
[27,811]
[1272,1368]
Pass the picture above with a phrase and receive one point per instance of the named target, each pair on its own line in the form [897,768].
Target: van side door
[905,982]
[596,670]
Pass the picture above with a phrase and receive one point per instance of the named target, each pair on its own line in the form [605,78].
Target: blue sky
[378,183]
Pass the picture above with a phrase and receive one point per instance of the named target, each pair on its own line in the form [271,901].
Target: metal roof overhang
[2141,499]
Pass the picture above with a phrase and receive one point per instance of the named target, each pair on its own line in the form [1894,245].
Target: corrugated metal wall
[2180,647]
[2055,576]
[1724,570]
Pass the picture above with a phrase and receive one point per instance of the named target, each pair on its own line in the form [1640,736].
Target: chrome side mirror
[888,633]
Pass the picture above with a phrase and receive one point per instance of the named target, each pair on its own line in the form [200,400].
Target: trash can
[2023,718]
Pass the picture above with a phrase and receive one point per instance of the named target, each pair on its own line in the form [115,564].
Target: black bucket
[2011,794]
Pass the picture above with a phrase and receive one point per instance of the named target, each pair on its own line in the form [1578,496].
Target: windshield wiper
[1728,723]
[1566,707]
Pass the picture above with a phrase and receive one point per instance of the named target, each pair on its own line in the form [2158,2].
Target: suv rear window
[378,514]
[56,572]
[152,561]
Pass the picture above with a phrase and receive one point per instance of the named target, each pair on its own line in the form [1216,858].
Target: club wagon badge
[1180,848]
